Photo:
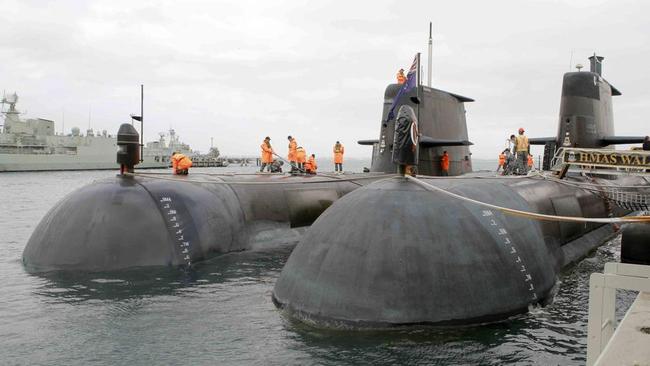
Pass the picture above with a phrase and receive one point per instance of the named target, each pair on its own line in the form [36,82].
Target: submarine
[144,220]
[457,250]
[138,220]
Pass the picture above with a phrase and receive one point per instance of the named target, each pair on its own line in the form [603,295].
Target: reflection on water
[220,312]
[238,269]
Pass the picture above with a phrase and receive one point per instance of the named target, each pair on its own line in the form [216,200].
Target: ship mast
[141,119]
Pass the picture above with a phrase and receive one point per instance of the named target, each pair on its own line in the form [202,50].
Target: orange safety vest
[300,155]
[502,159]
[310,165]
[530,161]
[444,162]
[293,145]
[180,161]
[339,150]
[267,152]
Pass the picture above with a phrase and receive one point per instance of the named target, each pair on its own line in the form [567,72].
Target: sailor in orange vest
[267,154]
[444,163]
[180,163]
[502,161]
[301,158]
[339,150]
[293,145]
[310,165]
[530,162]
[401,78]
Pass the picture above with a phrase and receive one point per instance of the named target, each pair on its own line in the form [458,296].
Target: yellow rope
[532,215]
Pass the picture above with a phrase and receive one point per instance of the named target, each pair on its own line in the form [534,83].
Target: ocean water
[221,312]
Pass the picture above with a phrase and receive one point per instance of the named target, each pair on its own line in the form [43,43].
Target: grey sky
[240,70]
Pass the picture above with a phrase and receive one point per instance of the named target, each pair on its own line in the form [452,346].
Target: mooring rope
[528,214]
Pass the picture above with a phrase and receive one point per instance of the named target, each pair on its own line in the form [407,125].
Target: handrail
[602,303]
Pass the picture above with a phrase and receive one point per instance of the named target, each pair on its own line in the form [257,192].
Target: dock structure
[627,343]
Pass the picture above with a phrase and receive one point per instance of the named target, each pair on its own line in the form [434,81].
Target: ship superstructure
[33,145]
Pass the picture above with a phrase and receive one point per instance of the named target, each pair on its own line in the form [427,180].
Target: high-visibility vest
[293,145]
[339,150]
[267,153]
[444,162]
[310,165]
[300,155]
[180,161]
[521,141]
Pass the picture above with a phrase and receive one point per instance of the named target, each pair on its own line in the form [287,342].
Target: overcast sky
[240,70]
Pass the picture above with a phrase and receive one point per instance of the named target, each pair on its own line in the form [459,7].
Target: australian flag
[411,82]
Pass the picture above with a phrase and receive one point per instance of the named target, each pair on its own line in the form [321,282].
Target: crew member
[301,158]
[310,165]
[530,162]
[180,163]
[338,157]
[444,163]
[521,149]
[509,164]
[293,145]
[267,154]
[401,78]
[276,166]
[502,161]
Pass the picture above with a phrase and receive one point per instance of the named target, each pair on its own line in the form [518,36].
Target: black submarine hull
[125,222]
[392,254]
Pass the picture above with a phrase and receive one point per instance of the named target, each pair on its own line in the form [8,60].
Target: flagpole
[141,123]
[430,60]
[417,94]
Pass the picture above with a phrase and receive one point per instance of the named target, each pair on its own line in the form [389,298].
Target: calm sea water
[221,311]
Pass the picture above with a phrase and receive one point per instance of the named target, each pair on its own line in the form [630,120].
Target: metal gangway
[608,163]
[602,161]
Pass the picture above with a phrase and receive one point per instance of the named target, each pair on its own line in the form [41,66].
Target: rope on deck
[528,214]
[310,181]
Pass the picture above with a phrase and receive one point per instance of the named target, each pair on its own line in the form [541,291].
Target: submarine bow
[392,253]
[152,220]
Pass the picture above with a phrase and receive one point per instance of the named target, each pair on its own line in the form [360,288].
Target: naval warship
[32,145]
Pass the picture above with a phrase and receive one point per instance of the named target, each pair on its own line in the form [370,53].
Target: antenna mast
[430,55]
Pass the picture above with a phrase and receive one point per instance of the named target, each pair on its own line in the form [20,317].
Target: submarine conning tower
[586,114]
[442,126]
[586,119]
